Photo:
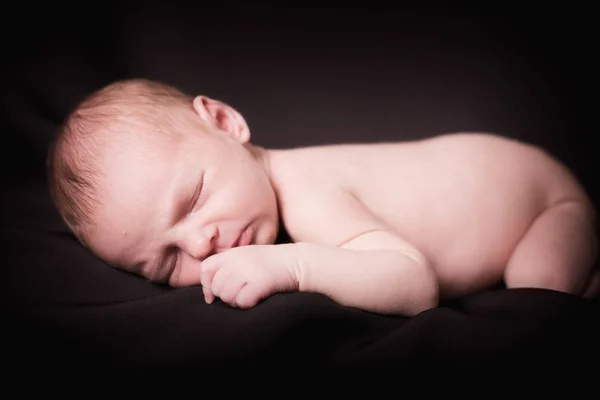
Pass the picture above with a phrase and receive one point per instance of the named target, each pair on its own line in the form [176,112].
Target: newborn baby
[168,186]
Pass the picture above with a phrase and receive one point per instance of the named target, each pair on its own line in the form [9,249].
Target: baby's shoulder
[323,213]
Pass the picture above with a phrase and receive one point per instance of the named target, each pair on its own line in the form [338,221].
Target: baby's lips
[246,237]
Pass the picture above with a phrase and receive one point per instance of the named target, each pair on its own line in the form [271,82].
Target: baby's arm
[341,251]
[376,271]
[348,254]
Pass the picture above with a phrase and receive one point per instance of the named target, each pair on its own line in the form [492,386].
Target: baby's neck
[267,158]
[262,156]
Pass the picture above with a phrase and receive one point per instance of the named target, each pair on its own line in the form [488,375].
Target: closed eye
[172,264]
[167,268]
[196,194]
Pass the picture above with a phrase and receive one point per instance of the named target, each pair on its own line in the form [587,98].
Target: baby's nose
[202,244]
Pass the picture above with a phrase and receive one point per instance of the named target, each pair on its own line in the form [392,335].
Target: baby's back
[465,200]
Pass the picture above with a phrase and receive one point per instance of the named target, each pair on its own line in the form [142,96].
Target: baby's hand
[243,276]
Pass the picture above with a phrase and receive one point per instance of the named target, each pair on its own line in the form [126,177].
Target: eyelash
[195,207]
[197,196]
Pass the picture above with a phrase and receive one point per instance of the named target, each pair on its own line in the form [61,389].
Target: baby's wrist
[296,265]
[304,265]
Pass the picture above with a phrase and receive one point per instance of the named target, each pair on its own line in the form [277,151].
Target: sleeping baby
[169,186]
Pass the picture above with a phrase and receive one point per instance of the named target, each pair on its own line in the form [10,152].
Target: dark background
[304,74]
[300,74]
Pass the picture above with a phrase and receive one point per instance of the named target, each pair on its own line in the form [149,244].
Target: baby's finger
[209,297]
[208,268]
[230,289]
[220,279]
[249,296]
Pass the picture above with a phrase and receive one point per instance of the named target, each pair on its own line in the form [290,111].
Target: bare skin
[390,228]
[470,206]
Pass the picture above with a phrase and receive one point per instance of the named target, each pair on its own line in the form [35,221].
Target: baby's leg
[558,251]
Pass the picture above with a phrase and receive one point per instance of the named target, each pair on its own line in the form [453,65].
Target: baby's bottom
[558,252]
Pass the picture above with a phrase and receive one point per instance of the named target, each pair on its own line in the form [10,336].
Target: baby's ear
[223,116]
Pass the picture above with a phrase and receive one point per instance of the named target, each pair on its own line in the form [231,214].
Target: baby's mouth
[244,239]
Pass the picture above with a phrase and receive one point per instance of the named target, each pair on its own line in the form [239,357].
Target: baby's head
[152,180]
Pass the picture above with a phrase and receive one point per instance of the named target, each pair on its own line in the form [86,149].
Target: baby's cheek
[187,273]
